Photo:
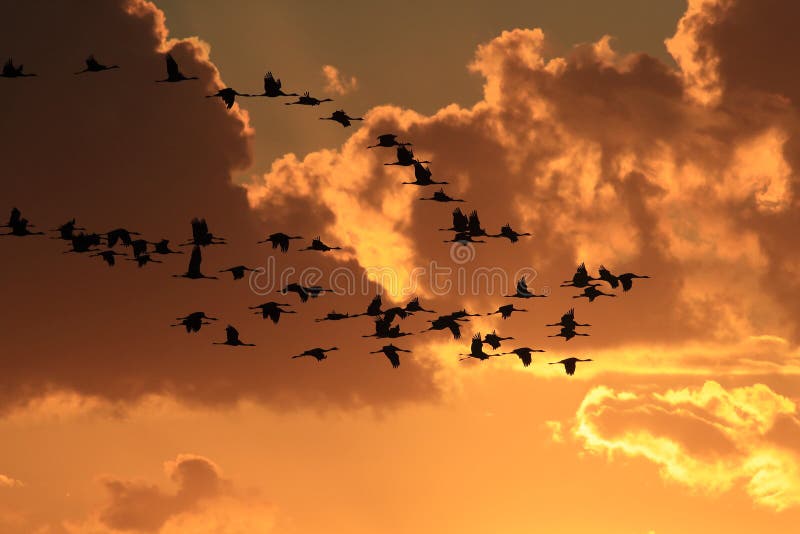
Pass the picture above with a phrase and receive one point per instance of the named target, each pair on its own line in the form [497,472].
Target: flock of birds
[466,229]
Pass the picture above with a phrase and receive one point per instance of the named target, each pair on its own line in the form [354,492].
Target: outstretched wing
[231,334]
[195,260]
[522,287]
[474,223]
[477,345]
[172,67]
[460,221]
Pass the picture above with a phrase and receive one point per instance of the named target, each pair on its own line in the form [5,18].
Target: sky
[656,138]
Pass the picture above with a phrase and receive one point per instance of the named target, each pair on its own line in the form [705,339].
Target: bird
[227,95]
[341,117]
[10,71]
[271,310]
[474,225]
[173,72]
[13,218]
[20,229]
[279,239]
[476,349]
[232,338]
[120,235]
[506,310]
[422,176]
[569,364]
[144,259]
[388,141]
[391,352]
[463,238]
[308,100]
[581,278]
[108,256]
[626,279]
[162,247]
[139,247]
[568,332]
[92,65]
[333,316]
[317,244]
[510,234]
[606,276]
[493,340]
[446,322]
[317,353]
[193,271]
[462,313]
[84,243]
[374,307]
[67,230]
[272,87]
[523,292]
[460,222]
[201,236]
[568,320]
[237,272]
[524,354]
[441,196]
[414,306]
[394,312]
[405,157]
[303,291]
[194,321]
[591,292]
[384,329]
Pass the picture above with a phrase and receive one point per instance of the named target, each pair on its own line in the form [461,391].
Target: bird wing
[476,347]
[455,328]
[232,334]
[172,67]
[195,260]
[393,357]
[460,221]
[525,356]
[626,281]
[569,366]
[522,287]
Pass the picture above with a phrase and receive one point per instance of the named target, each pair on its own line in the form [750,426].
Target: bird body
[388,141]
[581,278]
[304,292]
[174,74]
[391,352]
[316,353]
[317,244]
[271,310]
[476,349]
[506,310]
[10,71]
[237,271]
[193,271]
[523,292]
[569,364]
[92,65]
[279,239]
[524,354]
[308,100]
[493,340]
[227,95]
[591,292]
[232,338]
[510,234]
[341,117]
[441,196]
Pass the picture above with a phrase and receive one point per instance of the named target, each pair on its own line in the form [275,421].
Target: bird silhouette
[92,65]
[317,353]
[476,350]
[304,292]
[568,332]
[374,307]
[591,292]
[474,225]
[173,72]
[308,100]
[201,236]
[493,340]
[10,71]
[317,244]
[237,271]
[391,352]
[120,235]
[462,313]
[13,218]
[523,292]
[388,141]
[272,87]
[446,322]
[441,196]
[232,338]
[422,176]
[405,157]
[626,279]
[108,256]
[395,312]
[162,247]
[227,95]
[341,117]
[606,276]
[193,271]
[460,222]
[463,238]
[524,354]
[384,329]
[509,233]
[569,364]
[144,259]
[84,243]
[139,247]
[581,278]
[333,316]
[414,306]
[20,229]
[568,320]
[271,310]
[279,239]
[506,310]
[67,230]
[194,321]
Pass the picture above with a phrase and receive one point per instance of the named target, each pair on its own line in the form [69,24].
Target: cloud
[336,82]
[8,482]
[708,438]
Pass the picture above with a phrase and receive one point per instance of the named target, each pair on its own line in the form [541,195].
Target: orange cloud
[708,438]
[8,482]
[336,82]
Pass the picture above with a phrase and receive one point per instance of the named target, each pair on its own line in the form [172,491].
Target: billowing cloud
[8,482]
[336,82]
[709,438]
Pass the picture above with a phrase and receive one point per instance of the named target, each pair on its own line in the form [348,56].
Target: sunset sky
[658,138]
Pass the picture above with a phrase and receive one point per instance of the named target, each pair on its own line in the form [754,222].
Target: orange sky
[661,142]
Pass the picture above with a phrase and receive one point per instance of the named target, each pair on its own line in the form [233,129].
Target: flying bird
[341,117]
[173,72]
[201,237]
[279,239]
[391,352]
[388,141]
[272,87]
[162,247]
[446,322]
[422,176]
[227,95]
[144,259]
[493,340]
[92,65]
[523,292]
[303,291]
[474,225]
[606,276]
[414,306]
[194,321]
[10,71]
[510,234]
[193,271]
[384,329]
[271,310]
[139,247]
[232,338]
[84,243]
[460,222]
[67,230]
[626,279]
[108,256]
[317,353]
[581,278]
[13,218]
[317,244]
[506,310]
[569,364]
[237,271]
[463,238]
[441,196]
[524,354]
[394,312]
[568,320]
[405,157]
[591,292]
[568,332]
[476,349]
[333,316]
[120,235]
[308,100]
